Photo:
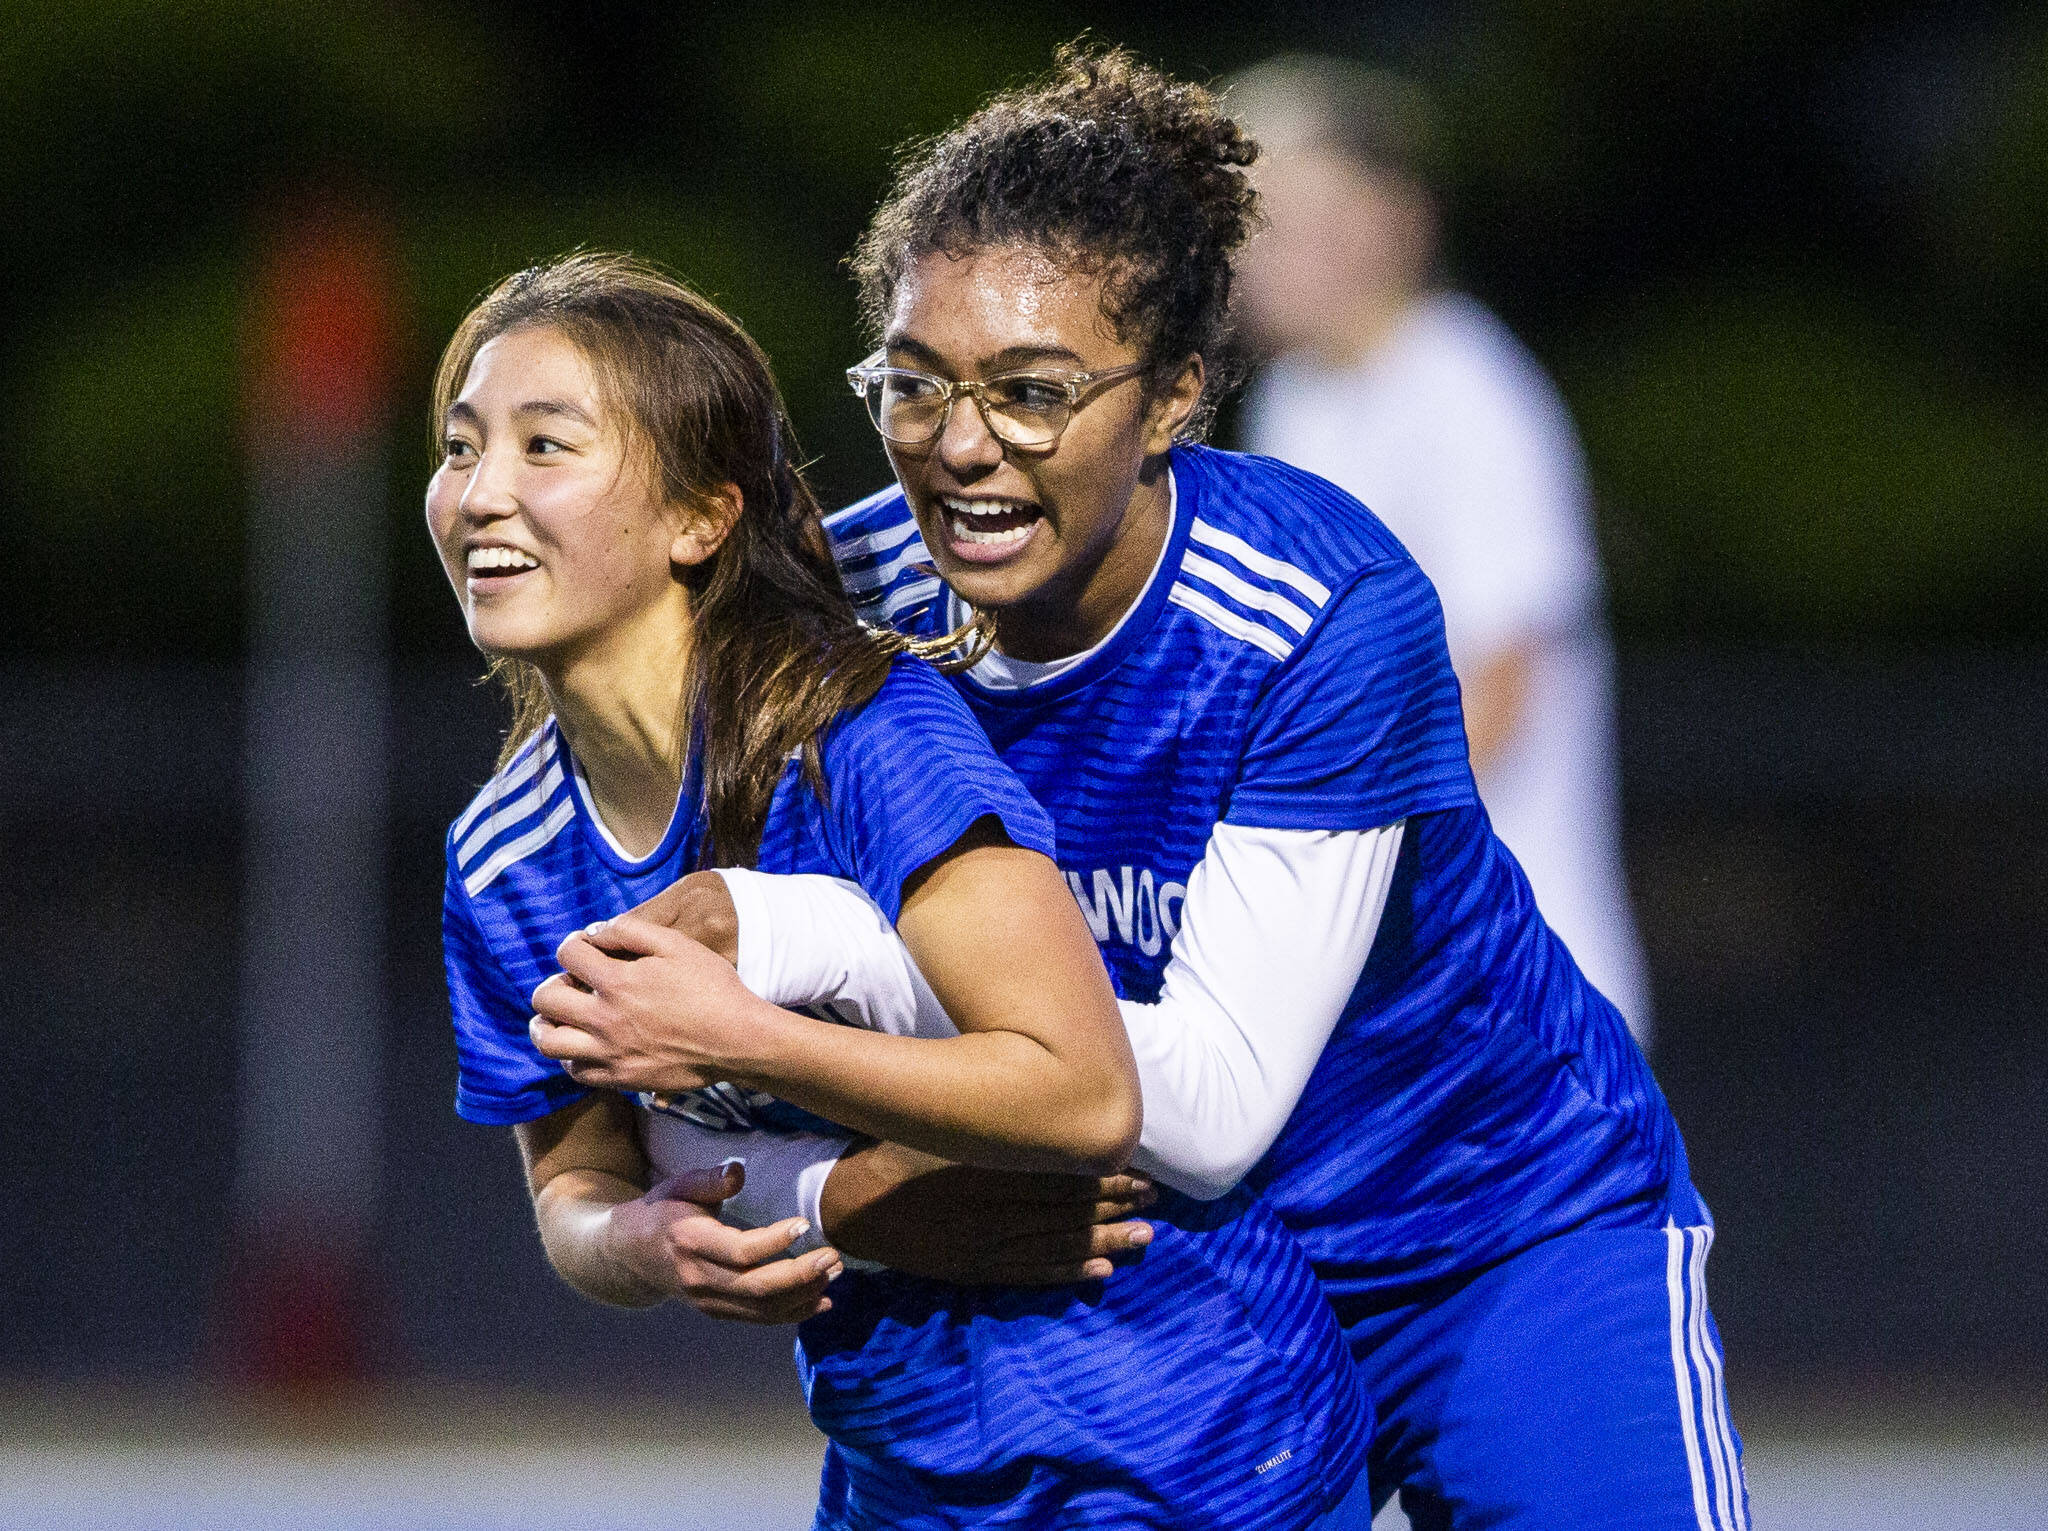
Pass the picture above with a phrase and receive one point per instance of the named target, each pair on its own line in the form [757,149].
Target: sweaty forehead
[1007,307]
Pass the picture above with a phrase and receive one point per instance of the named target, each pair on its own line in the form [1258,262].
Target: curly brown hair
[1108,166]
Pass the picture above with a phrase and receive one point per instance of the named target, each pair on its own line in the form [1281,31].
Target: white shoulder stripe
[901,600]
[524,846]
[867,580]
[521,770]
[874,544]
[524,806]
[1220,616]
[1261,563]
[1269,601]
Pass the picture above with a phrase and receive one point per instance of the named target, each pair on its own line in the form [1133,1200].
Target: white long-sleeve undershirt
[1274,933]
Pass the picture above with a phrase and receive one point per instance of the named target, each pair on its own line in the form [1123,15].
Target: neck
[1365,327]
[1078,615]
[619,704]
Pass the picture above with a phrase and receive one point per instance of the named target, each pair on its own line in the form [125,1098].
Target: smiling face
[545,513]
[1057,543]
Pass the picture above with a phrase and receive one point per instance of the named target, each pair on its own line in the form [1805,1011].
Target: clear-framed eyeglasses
[1024,409]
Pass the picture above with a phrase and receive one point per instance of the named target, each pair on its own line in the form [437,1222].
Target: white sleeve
[786,1172]
[811,940]
[1274,932]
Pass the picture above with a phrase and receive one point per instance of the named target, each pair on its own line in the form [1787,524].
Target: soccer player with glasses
[1228,685]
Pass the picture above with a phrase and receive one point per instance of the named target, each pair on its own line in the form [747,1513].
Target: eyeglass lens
[1025,411]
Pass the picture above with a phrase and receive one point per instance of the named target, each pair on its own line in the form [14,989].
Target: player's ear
[703,527]
[1171,408]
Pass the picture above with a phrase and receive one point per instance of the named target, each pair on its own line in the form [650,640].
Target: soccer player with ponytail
[618,512]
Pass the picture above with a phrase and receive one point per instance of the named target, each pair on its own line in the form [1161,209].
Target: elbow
[1202,1165]
[1110,1133]
[1214,1176]
[1094,1134]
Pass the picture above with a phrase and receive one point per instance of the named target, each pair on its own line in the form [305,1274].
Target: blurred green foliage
[1797,307]
[1789,467]
[131,431]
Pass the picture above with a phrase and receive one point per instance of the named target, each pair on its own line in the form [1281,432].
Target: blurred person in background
[1419,401]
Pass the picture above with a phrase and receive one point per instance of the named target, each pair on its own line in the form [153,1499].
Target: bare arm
[614,1239]
[1496,694]
[1041,1076]
[895,1205]
[955,1222]
[1275,929]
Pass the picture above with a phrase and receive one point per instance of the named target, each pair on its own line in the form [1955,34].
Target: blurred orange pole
[302,1308]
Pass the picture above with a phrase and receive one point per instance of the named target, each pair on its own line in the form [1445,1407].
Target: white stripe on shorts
[1714,1390]
[1710,1456]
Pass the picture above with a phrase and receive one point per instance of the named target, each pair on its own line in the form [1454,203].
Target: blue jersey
[1286,669]
[1220,1397]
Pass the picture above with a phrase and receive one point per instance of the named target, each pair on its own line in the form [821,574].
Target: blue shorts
[1577,1383]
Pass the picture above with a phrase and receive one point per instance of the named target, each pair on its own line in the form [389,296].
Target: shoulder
[1270,545]
[1462,360]
[1292,519]
[906,775]
[882,560]
[518,811]
[914,703]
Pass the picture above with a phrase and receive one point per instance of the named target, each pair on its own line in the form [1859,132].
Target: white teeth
[484,560]
[984,507]
[962,514]
[968,533]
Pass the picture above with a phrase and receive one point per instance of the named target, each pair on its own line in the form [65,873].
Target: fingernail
[1096,1270]
[595,927]
[1142,1234]
[834,1273]
[799,1228]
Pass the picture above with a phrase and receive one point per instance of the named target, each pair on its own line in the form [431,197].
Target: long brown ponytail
[778,652]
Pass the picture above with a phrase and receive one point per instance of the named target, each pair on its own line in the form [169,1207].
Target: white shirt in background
[1454,436]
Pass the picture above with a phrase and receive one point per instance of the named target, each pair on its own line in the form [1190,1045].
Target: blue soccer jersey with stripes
[1286,669]
[1210,1388]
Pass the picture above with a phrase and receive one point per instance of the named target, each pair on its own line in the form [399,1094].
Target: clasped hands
[640,1006]
[650,1001]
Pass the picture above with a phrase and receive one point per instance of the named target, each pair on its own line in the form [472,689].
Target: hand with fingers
[672,1244]
[979,1227]
[639,1006]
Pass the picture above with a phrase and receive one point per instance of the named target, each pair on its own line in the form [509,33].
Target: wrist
[839,1193]
[854,1189]
[765,1037]
[620,1244]
[703,910]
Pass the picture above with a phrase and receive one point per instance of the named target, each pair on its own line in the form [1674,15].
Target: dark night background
[1789,262]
